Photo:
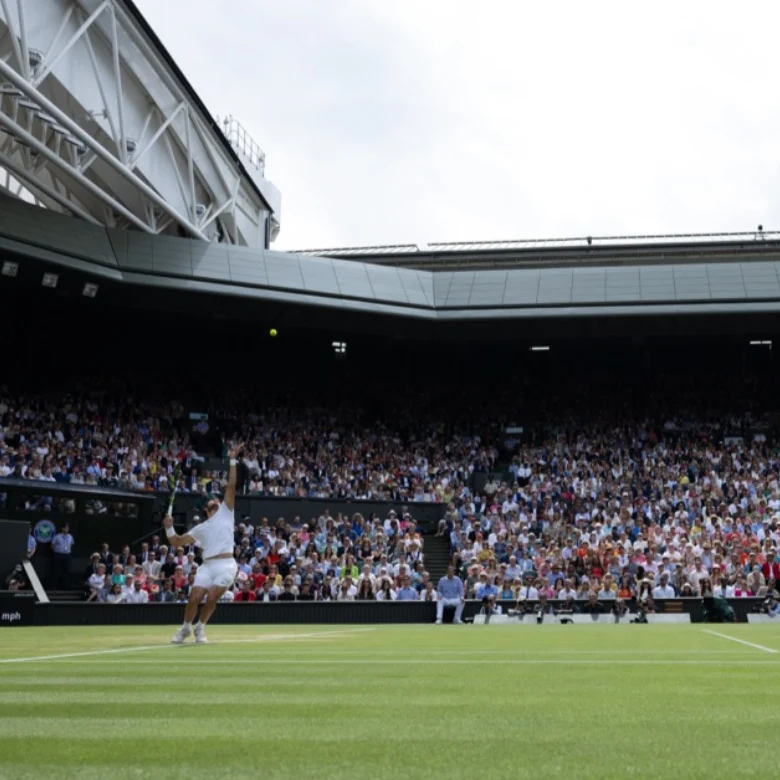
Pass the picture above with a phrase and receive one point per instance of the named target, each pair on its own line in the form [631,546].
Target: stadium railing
[299,612]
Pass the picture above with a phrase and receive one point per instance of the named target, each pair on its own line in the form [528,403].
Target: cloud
[447,120]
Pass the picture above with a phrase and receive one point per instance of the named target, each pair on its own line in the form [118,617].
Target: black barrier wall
[119,517]
[13,546]
[306,612]
[94,515]
[16,610]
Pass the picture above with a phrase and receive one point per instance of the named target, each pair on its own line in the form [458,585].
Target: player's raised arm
[230,490]
[173,538]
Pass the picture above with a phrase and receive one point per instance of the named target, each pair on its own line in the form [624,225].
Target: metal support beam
[35,184]
[190,166]
[201,133]
[87,81]
[147,121]
[62,118]
[12,35]
[74,39]
[101,88]
[31,141]
[61,29]
[23,39]
[209,218]
[120,111]
[160,130]
[179,180]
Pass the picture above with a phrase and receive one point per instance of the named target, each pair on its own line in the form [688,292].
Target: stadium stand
[662,490]
[588,460]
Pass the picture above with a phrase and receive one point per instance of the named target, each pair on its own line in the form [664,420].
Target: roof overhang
[185,265]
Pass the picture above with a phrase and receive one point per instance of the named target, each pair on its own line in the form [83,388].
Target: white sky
[406,121]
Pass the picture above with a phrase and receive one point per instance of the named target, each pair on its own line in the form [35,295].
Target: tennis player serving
[218,570]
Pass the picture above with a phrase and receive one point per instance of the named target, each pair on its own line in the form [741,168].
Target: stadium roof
[743,278]
[207,116]
[561,252]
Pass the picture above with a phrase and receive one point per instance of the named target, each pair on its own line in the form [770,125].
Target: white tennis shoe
[181,635]
[200,635]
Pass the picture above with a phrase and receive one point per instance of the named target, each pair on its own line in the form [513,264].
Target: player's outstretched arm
[230,490]
[174,540]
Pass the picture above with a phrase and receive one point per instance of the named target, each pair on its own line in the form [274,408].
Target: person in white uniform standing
[219,569]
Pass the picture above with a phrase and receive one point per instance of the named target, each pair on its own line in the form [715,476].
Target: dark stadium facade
[726,286]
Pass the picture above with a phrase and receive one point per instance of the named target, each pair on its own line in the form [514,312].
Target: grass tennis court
[391,702]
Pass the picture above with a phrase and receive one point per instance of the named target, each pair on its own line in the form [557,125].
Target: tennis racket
[173,483]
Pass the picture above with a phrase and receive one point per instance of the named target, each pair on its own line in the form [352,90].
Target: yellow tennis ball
[273,332]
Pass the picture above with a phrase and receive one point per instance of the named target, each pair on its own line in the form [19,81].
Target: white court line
[438,661]
[290,636]
[262,638]
[741,641]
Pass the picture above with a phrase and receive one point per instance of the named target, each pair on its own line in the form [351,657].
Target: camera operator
[17,579]
[522,607]
[566,609]
[592,606]
[716,608]
[644,599]
[543,608]
[568,605]
[771,606]
[489,607]
[619,609]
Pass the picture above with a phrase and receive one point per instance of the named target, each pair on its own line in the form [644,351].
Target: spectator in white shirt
[189,565]
[385,591]
[567,591]
[664,590]
[151,567]
[128,586]
[96,582]
[115,595]
[528,592]
[366,574]
[428,593]
[347,591]
[137,595]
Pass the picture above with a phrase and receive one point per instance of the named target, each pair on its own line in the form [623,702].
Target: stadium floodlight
[10,269]
[50,280]
[340,347]
[540,349]
[761,344]
[90,290]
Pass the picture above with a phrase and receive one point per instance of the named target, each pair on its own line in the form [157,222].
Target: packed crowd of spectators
[634,513]
[639,512]
[338,559]
[294,451]
[620,491]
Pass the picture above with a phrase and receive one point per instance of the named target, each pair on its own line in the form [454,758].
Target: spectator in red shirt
[273,557]
[247,592]
[771,569]
[179,580]
[257,576]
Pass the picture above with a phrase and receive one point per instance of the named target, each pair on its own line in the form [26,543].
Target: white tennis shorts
[218,573]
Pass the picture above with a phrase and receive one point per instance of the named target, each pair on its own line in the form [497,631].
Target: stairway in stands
[437,556]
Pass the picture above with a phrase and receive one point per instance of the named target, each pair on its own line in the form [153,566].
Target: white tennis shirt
[215,536]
